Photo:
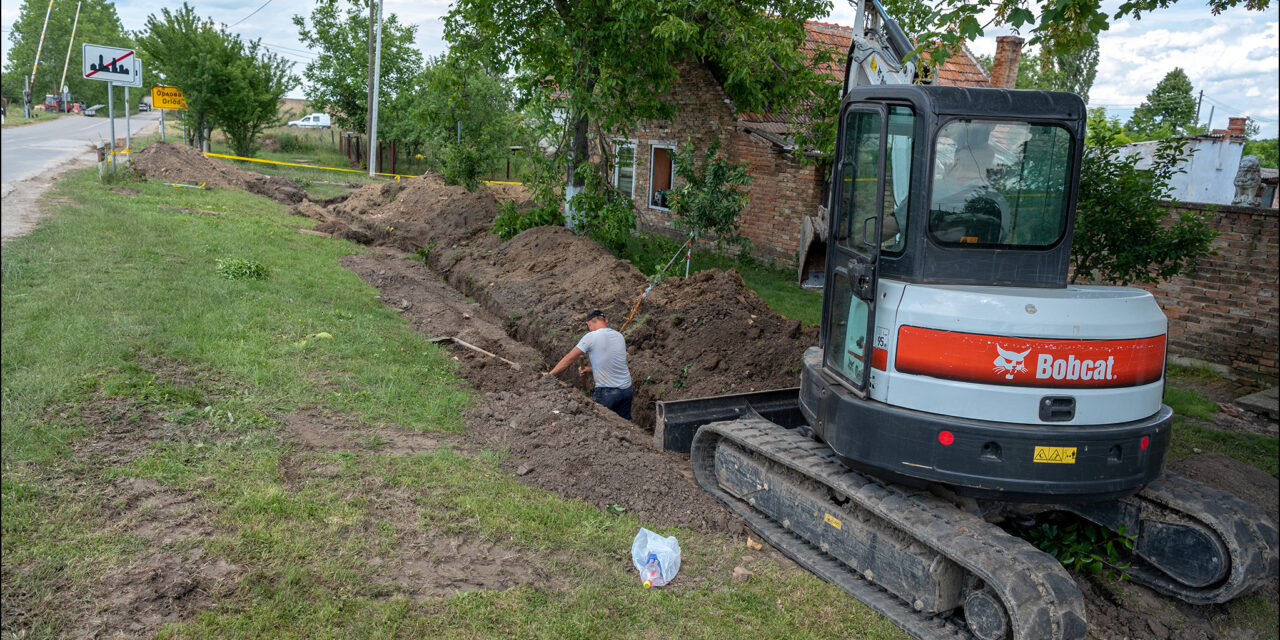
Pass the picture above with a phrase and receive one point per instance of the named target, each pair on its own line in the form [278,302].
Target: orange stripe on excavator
[1030,362]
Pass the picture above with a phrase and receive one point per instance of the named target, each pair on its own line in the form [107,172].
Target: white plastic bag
[667,549]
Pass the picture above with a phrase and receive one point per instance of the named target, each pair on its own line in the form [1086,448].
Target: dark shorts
[614,399]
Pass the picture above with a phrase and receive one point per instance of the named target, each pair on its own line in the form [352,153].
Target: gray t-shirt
[607,350]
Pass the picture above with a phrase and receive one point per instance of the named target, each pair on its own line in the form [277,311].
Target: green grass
[1189,438]
[116,317]
[15,118]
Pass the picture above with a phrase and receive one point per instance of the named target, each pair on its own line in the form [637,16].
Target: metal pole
[63,82]
[368,103]
[111,115]
[128,131]
[40,46]
[374,155]
[162,125]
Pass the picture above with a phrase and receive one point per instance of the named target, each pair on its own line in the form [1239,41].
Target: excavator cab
[947,314]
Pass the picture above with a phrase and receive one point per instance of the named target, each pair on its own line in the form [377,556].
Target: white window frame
[635,146]
[653,152]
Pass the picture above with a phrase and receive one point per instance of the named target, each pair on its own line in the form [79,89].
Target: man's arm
[564,363]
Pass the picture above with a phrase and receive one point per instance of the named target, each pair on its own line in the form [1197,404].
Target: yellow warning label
[831,520]
[1055,455]
[874,67]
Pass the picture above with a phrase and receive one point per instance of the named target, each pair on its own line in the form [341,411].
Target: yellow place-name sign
[168,98]
[1055,455]
[831,520]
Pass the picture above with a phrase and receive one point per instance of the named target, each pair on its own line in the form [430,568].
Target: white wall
[1211,165]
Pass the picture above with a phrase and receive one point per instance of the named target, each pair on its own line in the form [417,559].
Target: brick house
[784,192]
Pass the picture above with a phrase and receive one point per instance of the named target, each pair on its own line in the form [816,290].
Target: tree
[1169,108]
[707,204]
[1100,127]
[1266,150]
[1056,26]
[1067,71]
[607,65]
[338,79]
[465,115]
[227,84]
[98,24]
[1124,230]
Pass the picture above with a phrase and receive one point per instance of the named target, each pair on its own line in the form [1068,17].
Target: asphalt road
[32,149]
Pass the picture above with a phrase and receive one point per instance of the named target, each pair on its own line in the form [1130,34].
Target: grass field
[129,361]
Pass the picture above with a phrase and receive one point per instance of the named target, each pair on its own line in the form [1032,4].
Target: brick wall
[782,191]
[781,194]
[1226,312]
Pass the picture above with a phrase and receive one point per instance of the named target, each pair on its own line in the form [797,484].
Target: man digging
[607,350]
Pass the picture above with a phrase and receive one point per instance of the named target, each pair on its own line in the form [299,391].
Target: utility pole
[62,84]
[374,155]
[31,86]
[1198,102]
[369,103]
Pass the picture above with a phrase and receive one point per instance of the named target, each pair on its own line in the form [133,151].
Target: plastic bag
[666,549]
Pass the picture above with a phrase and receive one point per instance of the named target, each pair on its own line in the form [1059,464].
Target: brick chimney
[1235,127]
[1004,69]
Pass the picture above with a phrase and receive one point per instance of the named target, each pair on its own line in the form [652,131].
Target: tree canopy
[1170,108]
[99,24]
[338,30]
[228,84]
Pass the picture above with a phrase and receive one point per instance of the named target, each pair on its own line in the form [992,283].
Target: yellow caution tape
[397,176]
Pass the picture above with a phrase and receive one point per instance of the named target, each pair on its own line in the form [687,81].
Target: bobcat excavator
[961,382]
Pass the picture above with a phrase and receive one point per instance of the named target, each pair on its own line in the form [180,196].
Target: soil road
[33,155]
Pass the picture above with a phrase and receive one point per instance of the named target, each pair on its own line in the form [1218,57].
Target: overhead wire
[264,5]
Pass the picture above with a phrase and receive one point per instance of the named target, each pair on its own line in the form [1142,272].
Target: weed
[678,383]
[1077,543]
[242,269]
[511,221]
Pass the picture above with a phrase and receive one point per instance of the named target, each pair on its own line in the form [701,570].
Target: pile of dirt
[180,163]
[411,214]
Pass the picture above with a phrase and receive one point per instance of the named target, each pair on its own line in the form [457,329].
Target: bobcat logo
[1009,362]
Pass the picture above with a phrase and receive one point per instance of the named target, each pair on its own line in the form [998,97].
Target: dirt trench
[705,335]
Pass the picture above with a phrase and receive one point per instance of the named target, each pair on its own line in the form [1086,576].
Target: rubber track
[1249,536]
[1043,601]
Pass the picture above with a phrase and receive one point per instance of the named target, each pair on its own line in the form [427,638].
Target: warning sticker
[1055,455]
[831,520]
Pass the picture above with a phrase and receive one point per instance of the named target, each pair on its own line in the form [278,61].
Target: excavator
[961,383]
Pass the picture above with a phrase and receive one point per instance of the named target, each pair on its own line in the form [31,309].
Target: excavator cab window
[1000,184]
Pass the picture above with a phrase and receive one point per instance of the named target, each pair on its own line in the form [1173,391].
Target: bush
[511,221]
[712,196]
[464,165]
[603,214]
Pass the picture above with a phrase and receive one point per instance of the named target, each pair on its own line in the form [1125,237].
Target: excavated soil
[705,335]
[180,163]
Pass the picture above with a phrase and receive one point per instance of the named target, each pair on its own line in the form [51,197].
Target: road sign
[168,98]
[112,64]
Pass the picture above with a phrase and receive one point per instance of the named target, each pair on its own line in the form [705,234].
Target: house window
[624,166]
[661,171]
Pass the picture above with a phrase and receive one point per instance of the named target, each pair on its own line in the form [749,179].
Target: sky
[1233,57]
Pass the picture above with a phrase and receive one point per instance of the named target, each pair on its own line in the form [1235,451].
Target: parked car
[144,106]
[314,120]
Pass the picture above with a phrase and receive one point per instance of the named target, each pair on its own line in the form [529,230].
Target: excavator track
[909,555]
[1248,538]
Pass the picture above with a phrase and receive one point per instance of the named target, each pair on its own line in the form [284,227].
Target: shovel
[472,347]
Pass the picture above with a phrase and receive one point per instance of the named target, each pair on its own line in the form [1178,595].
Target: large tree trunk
[579,152]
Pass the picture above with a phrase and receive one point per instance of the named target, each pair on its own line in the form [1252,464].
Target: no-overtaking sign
[112,64]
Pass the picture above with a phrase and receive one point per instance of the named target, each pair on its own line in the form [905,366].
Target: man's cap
[595,313]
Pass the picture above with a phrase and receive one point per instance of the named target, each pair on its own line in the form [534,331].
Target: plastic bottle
[651,575]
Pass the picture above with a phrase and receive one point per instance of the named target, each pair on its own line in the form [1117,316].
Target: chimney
[1004,69]
[1235,127]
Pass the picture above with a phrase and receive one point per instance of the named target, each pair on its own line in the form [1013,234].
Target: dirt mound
[411,214]
[180,163]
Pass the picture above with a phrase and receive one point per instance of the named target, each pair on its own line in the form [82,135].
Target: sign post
[114,65]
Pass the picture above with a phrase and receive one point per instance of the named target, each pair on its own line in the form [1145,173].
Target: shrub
[708,202]
[602,213]
[511,221]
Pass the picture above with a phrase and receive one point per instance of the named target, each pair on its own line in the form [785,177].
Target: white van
[313,120]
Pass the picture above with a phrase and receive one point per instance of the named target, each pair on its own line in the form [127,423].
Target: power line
[264,5]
